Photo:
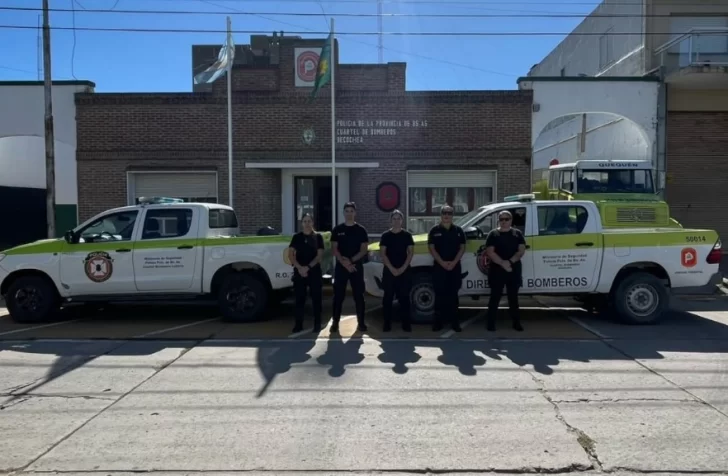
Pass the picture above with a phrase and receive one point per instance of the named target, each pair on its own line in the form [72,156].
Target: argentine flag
[224,61]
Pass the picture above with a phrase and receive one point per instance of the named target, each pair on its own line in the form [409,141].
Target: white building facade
[684,45]
[22,158]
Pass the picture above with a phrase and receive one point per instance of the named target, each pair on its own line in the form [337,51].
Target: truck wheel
[422,299]
[32,299]
[242,297]
[641,299]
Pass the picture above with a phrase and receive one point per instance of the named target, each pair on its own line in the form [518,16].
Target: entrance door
[313,195]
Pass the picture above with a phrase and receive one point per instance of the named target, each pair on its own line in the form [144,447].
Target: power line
[356,15]
[347,33]
[592,4]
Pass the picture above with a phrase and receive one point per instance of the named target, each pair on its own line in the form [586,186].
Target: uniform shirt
[349,238]
[447,241]
[505,244]
[307,247]
[396,244]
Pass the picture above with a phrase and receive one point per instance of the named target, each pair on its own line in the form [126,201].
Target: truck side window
[222,218]
[169,223]
[561,220]
[114,227]
[490,221]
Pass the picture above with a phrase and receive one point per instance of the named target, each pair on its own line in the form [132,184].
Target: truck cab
[623,190]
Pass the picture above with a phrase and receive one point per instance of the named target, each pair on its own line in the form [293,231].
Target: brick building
[412,150]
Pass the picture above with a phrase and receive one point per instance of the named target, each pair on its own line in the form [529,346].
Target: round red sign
[387,196]
[306,66]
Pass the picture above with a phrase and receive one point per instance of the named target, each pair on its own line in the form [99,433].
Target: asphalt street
[176,390]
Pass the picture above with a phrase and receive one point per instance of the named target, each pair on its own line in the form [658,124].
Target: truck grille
[636,215]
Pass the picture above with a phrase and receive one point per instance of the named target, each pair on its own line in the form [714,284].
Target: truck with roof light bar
[628,271]
[162,249]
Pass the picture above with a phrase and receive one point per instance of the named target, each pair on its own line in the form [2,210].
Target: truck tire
[422,299]
[242,297]
[640,299]
[32,299]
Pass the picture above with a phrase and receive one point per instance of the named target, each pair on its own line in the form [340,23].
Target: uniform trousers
[447,286]
[398,286]
[498,279]
[313,282]
[341,277]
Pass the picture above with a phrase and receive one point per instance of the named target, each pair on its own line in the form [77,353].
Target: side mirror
[69,237]
[472,233]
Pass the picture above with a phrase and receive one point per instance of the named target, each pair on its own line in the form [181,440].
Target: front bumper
[373,279]
[708,289]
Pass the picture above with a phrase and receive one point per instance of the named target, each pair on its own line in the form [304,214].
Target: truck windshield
[615,181]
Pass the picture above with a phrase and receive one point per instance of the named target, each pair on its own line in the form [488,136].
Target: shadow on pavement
[684,331]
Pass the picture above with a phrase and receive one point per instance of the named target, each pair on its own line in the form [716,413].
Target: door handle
[123,250]
[585,243]
[185,247]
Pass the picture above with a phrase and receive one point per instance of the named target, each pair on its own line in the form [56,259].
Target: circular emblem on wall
[308,136]
[482,260]
[388,196]
[306,65]
[98,266]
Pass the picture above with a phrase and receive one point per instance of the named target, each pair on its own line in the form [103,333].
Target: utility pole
[49,140]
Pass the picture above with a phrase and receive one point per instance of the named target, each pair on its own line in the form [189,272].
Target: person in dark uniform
[447,245]
[396,248]
[305,252]
[349,241]
[504,247]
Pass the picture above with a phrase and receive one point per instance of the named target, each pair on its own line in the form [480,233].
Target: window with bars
[425,204]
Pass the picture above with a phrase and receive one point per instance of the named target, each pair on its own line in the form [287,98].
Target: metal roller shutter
[697,169]
[469,178]
[185,185]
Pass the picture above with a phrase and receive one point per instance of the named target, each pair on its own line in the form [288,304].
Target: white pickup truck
[630,270]
[160,250]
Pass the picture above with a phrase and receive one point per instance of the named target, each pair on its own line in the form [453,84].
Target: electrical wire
[354,15]
[350,33]
[593,4]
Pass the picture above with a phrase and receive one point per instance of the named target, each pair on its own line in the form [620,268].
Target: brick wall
[697,167]
[380,122]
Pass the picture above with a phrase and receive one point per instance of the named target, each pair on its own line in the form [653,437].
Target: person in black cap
[305,253]
[447,246]
[350,242]
[396,247]
[504,247]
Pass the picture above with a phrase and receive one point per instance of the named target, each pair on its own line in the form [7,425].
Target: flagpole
[230,115]
[334,205]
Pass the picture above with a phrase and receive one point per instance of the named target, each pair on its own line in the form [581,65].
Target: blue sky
[149,62]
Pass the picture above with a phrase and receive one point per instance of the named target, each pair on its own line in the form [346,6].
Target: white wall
[607,137]
[620,53]
[603,100]
[22,136]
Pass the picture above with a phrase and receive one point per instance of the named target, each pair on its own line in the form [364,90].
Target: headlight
[374,257]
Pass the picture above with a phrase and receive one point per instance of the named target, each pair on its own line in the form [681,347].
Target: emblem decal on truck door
[98,266]
[688,257]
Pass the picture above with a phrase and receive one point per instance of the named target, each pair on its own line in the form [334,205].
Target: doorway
[313,195]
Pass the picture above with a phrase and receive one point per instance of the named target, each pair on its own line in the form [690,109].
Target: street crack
[584,440]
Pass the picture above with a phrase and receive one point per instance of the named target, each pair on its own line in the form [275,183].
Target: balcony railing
[697,47]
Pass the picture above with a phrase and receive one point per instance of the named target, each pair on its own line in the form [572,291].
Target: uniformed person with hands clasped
[447,246]
[306,251]
[350,242]
[504,247]
[396,248]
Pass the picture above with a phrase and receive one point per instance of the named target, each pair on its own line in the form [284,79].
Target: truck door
[101,262]
[167,250]
[566,249]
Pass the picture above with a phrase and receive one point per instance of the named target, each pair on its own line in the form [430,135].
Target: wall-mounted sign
[305,61]
[308,136]
[361,131]
[388,196]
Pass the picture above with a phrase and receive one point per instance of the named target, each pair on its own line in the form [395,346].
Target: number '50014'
[694,239]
